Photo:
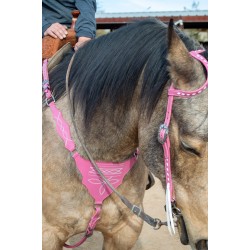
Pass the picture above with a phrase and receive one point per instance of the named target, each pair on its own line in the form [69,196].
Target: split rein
[162,137]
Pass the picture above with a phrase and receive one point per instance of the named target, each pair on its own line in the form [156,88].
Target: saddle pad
[58,56]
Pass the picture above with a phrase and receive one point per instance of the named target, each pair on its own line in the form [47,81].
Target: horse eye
[189,149]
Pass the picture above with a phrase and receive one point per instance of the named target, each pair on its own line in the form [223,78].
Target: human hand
[81,41]
[56,30]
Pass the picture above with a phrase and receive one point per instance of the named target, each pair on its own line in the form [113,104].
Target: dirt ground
[149,239]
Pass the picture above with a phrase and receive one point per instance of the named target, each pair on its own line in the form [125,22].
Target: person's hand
[56,30]
[81,41]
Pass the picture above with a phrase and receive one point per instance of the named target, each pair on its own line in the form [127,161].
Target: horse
[113,93]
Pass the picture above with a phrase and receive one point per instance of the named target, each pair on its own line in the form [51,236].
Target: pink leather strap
[114,173]
[62,126]
[91,226]
[188,94]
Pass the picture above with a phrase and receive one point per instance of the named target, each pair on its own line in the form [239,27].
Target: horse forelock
[109,68]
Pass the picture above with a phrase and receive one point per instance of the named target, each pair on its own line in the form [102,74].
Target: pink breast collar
[96,186]
[98,189]
[163,136]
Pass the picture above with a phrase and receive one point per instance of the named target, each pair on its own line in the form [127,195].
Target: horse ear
[184,69]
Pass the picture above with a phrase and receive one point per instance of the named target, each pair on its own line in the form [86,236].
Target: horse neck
[106,139]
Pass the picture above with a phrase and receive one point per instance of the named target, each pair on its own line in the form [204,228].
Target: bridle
[163,138]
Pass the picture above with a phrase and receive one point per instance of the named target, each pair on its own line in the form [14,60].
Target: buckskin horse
[108,123]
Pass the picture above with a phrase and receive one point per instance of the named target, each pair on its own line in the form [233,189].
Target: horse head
[188,136]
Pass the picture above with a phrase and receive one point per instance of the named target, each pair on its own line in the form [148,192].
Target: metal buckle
[72,153]
[45,84]
[163,127]
[136,153]
[49,100]
[176,211]
[136,210]
[158,224]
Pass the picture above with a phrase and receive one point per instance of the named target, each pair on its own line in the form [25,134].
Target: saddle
[51,45]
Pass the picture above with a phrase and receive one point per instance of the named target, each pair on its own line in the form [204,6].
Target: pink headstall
[163,136]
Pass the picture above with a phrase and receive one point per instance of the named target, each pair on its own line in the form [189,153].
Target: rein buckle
[49,100]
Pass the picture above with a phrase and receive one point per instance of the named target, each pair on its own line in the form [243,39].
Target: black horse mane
[109,68]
